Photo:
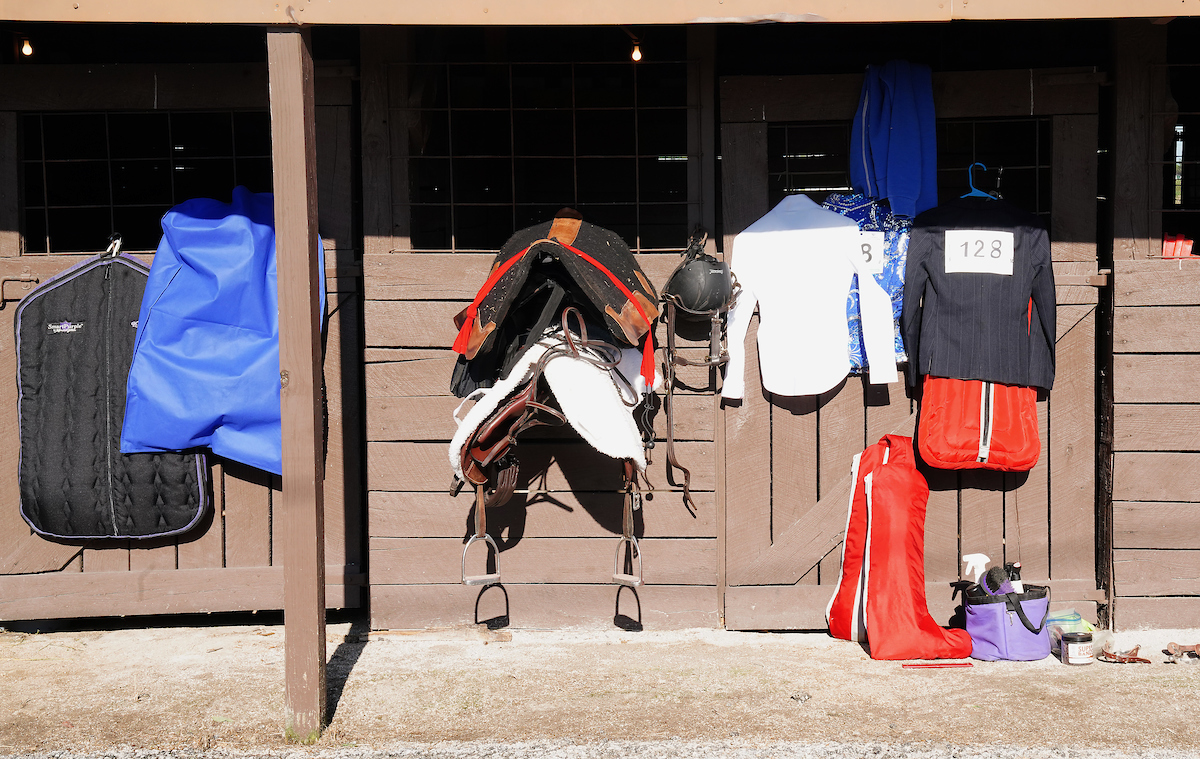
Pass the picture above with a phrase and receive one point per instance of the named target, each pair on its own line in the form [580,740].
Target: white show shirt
[797,264]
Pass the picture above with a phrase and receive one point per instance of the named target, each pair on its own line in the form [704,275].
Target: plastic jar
[1077,648]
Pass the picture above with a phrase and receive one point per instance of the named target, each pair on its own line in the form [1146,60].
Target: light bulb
[26,48]
[636,55]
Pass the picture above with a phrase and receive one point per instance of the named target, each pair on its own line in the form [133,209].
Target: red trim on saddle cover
[464,332]
[472,311]
[647,368]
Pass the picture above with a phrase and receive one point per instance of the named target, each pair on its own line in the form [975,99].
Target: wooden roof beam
[543,12]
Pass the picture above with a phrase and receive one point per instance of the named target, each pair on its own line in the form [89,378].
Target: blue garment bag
[205,370]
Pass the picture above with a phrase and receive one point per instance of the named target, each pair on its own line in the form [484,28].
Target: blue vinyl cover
[205,370]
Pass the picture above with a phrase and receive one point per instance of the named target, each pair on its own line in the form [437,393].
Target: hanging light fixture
[636,54]
[26,48]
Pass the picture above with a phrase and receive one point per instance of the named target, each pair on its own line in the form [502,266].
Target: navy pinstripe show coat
[981,325]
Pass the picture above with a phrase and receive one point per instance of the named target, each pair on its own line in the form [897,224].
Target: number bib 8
[979,251]
[871,249]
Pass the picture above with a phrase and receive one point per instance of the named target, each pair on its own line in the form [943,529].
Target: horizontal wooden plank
[430,324]
[405,373]
[1155,525]
[397,561]
[558,515]
[606,14]
[957,94]
[1139,572]
[408,373]
[593,606]
[458,276]
[1072,591]
[828,97]
[1156,427]
[1156,476]
[777,607]
[1071,271]
[412,418]
[1156,282]
[1156,329]
[56,595]
[134,86]
[1156,378]
[1082,254]
[802,607]
[426,467]
[28,552]
[410,324]
[395,419]
[1162,613]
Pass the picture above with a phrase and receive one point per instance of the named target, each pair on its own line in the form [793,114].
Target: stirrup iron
[619,575]
[481,534]
[632,494]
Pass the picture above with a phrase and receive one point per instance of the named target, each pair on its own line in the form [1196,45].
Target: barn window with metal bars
[813,158]
[493,147]
[87,175]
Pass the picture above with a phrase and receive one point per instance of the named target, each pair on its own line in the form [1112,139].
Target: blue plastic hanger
[974,193]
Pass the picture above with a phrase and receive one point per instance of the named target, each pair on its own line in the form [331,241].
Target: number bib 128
[979,251]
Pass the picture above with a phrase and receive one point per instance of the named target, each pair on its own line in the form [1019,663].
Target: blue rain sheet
[205,370]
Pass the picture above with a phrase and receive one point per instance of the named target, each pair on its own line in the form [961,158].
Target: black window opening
[809,158]
[814,158]
[1016,152]
[87,175]
[1180,160]
[497,147]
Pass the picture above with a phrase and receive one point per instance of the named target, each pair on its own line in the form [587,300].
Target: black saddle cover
[75,336]
[552,271]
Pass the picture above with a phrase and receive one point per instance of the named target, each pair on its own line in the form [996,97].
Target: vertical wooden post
[293,152]
[10,224]
[385,180]
[1140,48]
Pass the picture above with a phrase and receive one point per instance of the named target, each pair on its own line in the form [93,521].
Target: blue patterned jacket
[875,216]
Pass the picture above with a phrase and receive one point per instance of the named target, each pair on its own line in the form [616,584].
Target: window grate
[810,158]
[813,158]
[86,175]
[497,147]
[1021,147]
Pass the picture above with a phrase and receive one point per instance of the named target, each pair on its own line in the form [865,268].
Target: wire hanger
[114,245]
[974,193]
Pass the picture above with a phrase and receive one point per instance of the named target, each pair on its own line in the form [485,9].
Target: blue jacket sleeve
[862,163]
[903,136]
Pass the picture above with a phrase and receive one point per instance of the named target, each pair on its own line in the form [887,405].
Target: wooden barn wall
[231,561]
[787,461]
[1155,445]
[558,538]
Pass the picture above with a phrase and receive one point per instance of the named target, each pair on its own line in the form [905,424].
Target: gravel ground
[648,749]
[183,692]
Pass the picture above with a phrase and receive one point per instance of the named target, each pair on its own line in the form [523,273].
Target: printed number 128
[979,251]
[994,251]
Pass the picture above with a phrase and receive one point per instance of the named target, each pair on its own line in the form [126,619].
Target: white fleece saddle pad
[593,400]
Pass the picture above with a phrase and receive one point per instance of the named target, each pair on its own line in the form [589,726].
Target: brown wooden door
[786,463]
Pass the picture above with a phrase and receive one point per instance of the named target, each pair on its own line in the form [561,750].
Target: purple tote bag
[1002,627]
